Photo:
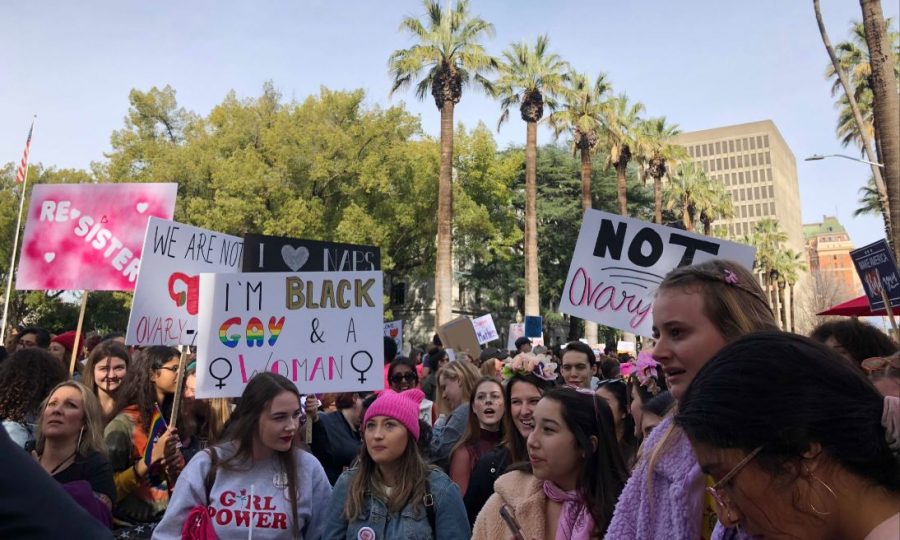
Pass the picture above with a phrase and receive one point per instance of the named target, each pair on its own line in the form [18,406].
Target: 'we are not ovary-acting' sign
[89,236]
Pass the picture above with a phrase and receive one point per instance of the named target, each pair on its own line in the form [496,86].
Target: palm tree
[530,77]
[658,151]
[788,264]
[684,193]
[449,52]
[581,114]
[768,238]
[886,108]
[857,115]
[621,133]
[716,203]
[870,202]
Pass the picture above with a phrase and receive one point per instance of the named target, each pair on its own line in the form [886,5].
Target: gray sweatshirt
[230,506]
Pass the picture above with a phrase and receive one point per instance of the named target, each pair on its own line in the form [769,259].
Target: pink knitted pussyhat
[403,407]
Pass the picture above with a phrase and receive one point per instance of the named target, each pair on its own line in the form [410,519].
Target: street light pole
[817,157]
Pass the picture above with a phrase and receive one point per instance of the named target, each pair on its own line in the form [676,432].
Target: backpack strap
[428,501]
[210,480]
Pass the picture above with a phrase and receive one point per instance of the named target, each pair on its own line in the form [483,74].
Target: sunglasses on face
[879,363]
[401,377]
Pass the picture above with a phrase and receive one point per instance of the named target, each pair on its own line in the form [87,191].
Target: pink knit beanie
[402,407]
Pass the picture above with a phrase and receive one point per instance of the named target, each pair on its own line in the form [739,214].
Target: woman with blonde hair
[456,382]
[70,447]
[698,309]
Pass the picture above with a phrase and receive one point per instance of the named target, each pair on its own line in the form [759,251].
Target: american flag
[23,165]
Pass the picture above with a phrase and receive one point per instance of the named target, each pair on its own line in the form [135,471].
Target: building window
[758,210]
[740,161]
[769,174]
[771,191]
[743,211]
[772,208]
[731,146]
[703,147]
[766,140]
[759,141]
[750,211]
[756,176]
[756,192]
[768,156]
[718,164]
[753,160]
[718,148]
[752,143]
[741,177]
[738,145]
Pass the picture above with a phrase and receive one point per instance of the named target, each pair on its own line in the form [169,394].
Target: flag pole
[12,263]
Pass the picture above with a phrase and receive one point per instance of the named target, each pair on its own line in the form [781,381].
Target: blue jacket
[451,522]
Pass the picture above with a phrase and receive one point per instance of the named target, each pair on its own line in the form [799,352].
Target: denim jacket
[450,515]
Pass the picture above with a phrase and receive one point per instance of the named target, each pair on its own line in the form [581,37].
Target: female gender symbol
[362,376]
[222,377]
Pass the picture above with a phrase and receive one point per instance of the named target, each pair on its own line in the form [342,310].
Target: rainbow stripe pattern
[157,428]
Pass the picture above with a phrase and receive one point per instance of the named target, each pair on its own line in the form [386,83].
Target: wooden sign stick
[84,299]
[179,384]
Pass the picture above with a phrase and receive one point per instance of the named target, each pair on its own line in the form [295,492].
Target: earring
[826,486]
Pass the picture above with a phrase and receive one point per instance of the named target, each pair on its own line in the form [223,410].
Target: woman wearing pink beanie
[392,492]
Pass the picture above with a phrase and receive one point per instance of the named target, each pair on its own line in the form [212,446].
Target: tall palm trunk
[857,117]
[657,200]
[621,168]
[532,298]
[886,110]
[793,309]
[590,327]
[443,274]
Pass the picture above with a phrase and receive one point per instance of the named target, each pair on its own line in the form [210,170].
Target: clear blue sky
[701,63]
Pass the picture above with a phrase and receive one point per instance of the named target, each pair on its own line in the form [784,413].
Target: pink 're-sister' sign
[89,236]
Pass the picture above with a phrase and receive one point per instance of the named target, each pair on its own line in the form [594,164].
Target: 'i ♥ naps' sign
[89,236]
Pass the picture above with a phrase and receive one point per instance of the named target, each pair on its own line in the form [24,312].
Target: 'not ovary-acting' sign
[89,236]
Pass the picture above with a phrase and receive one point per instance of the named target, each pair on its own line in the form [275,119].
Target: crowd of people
[722,427]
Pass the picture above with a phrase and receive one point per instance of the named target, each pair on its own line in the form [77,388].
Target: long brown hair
[473,426]
[409,488]
[512,439]
[105,349]
[244,428]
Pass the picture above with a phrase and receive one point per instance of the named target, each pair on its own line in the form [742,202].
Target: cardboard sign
[485,330]
[281,254]
[619,262]
[89,236]
[534,326]
[516,330]
[877,270]
[318,329]
[459,335]
[166,298]
[394,330]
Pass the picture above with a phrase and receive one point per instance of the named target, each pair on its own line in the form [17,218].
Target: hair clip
[730,277]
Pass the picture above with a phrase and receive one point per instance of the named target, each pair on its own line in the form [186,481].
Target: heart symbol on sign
[394,333]
[141,207]
[74,213]
[104,220]
[295,258]
[49,256]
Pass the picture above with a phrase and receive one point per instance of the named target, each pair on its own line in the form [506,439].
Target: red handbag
[198,525]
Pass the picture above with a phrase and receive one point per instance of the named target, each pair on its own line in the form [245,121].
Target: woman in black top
[70,447]
[335,435]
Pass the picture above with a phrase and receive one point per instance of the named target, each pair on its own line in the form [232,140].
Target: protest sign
[318,329]
[619,262]
[534,326]
[877,270]
[394,330]
[485,330]
[166,297]
[89,236]
[281,254]
[516,330]
[459,335]
[625,347]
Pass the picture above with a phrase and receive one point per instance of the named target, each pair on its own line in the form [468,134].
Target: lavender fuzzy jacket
[673,508]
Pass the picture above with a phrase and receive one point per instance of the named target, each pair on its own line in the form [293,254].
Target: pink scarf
[575,521]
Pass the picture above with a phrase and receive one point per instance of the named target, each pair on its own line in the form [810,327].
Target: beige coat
[525,495]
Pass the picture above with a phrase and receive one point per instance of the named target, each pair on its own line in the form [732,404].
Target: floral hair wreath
[538,365]
[643,370]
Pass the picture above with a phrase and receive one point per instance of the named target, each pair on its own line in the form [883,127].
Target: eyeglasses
[400,377]
[714,489]
[173,369]
[879,363]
